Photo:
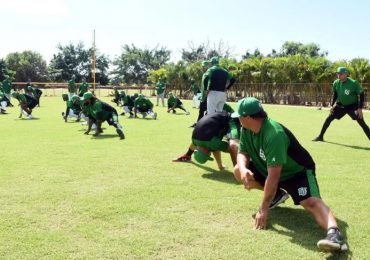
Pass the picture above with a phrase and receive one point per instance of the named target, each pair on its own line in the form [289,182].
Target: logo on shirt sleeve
[262,155]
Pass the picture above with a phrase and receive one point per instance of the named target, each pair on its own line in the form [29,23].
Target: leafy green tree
[360,69]
[3,70]
[76,60]
[135,64]
[205,51]
[291,48]
[27,65]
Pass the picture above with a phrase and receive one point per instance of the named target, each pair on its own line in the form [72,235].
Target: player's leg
[335,113]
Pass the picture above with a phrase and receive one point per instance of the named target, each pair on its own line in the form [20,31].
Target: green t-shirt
[143,103]
[347,91]
[6,86]
[160,87]
[71,86]
[173,102]
[270,146]
[84,87]
[194,88]
[96,111]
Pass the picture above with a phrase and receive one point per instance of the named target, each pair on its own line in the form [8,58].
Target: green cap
[214,60]
[201,157]
[88,95]
[247,106]
[342,70]
[65,97]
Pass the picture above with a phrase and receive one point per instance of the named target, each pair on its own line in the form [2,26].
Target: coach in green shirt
[6,87]
[348,98]
[271,159]
[71,87]
[83,88]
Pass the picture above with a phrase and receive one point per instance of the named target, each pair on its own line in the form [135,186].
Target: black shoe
[318,139]
[334,241]
[120,133]
[3,111]
[280,197]
[123,113]
[193,125]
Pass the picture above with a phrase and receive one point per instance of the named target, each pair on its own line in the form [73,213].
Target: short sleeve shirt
[347,91]
[160,87]
[270,147]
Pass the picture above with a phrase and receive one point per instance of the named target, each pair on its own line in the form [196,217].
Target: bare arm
[270,188]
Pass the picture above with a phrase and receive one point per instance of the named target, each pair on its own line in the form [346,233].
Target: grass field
[67,195]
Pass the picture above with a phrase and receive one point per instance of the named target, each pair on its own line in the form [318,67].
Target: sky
[340,27]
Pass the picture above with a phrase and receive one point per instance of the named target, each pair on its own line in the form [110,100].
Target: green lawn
[67,195]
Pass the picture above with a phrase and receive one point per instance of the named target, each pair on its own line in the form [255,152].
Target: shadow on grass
[216,175]
[104,136]
[350,146]
[302,229]
[26,119]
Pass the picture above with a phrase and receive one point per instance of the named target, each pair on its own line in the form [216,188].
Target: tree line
[294,63]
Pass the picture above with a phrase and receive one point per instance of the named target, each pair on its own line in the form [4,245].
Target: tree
[255,54]
[134,64]
[205,51]
[76,60]
[291,48]
[27,65]
[3,70]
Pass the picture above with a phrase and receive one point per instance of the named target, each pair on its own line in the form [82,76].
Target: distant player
[98,112]
[160,89]
[73,107]
[35,92]
[174,102]
[4,102]
[144,106]
[72,86]
[26,102]
[6,88]
[83,88]
[128,104]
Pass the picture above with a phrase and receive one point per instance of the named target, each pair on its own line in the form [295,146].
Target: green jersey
[84,87]
[275,145]
[143,103]
[6,86]
[71,86]
[100,111]
[218,78]
[173,102]
[194,87]
[348,91]
[160,87]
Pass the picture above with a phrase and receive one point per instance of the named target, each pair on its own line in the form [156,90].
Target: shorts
[300,187]
[215,144]
[340,111]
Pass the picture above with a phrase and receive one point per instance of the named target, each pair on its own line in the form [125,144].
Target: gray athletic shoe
[280,197]
[334,241]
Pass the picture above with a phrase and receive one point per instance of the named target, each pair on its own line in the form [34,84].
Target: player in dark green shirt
[98,112]
[4,102]
[73,107]
[174,102]
[83,88]
[160,88]
[214,133]
[270,158]
[6,87]
[117,97]
[348,98]
[219,80]
[71,86]
[144,106]
[127,104]
[196,93]
[35,92]
[26,102]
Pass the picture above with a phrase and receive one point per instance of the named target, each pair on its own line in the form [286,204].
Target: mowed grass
[67,195]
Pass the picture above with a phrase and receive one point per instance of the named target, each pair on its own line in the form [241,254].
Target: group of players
[267,156]
[264,153]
